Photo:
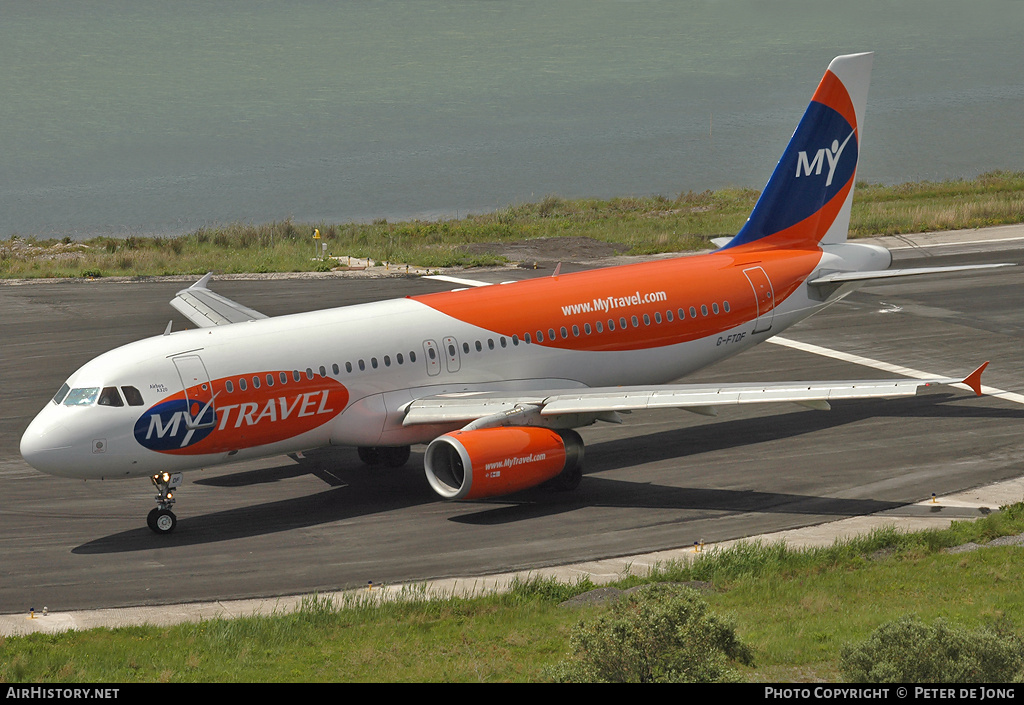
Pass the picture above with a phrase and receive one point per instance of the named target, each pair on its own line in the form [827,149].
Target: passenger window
[270,380]
[110,397]
[228,386]
[284,377]
[132,396]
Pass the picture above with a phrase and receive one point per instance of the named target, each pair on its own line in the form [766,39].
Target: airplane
[493,378]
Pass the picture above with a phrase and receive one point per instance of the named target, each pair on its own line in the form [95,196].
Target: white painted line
[457,280]
[954,244]
[887,367]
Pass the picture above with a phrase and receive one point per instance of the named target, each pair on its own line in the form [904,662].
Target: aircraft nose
[45,445]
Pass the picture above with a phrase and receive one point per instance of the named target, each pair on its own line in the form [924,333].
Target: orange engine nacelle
[490,462]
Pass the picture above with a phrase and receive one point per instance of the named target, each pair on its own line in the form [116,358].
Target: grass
[796,608]
[641,225]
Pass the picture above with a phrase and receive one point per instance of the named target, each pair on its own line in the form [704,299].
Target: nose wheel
[161,519]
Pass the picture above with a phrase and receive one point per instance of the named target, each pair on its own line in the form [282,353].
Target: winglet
[201,284]
[973,380]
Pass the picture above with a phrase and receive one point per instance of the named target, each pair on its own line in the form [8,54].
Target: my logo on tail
[804,167]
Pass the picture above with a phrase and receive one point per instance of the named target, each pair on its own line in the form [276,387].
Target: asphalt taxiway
[658,483]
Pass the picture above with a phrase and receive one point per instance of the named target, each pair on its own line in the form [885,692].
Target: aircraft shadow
[390,490]
[358,491]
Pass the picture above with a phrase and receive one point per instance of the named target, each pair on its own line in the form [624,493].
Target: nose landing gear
[161,519]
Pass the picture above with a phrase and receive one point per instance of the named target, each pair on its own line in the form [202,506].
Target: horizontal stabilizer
[843,277]
[207,308]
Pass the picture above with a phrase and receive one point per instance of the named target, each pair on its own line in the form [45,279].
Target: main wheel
[162,521]
[370,456]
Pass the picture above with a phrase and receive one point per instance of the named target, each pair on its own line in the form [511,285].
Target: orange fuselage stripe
[543,304]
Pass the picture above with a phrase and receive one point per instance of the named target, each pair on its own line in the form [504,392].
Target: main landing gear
[161,519]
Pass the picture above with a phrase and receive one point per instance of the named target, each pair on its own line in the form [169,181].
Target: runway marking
[887,367]
[916,246]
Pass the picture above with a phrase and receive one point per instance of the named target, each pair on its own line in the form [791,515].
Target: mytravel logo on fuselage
[198,421]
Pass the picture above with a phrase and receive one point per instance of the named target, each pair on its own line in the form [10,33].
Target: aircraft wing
[207,308]
[602,402]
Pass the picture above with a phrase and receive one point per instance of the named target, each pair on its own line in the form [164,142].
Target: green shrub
[907,650]
[659,634]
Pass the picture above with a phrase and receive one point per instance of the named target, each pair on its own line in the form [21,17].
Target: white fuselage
[342,376]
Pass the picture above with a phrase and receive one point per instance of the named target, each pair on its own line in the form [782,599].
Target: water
[140,116]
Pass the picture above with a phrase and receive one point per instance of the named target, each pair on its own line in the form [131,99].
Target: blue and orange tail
[807,201]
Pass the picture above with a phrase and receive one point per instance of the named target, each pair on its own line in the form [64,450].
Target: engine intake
[491,462]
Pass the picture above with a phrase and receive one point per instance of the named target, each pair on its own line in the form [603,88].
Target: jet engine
[491,462]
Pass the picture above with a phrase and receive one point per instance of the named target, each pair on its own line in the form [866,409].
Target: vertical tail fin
[807,201]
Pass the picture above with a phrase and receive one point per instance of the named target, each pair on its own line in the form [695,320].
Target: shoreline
[552,230]
[895,243]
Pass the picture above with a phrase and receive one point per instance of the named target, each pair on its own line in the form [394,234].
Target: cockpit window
[110,397]
[133,396]
[82,396]
[61,393]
